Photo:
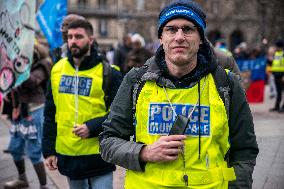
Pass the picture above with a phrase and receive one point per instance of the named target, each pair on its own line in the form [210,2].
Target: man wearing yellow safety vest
[185,135]
[277,69]
[74,112]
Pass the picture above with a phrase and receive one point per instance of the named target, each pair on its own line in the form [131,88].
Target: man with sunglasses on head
[187,132]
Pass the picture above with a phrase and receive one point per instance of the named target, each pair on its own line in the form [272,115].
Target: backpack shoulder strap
[224,86]
[221,79]
[137,87]
[106,83]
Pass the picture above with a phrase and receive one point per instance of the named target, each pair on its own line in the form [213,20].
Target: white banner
[17,18]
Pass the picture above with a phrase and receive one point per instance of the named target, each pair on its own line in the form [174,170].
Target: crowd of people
[173,117]
[274,72]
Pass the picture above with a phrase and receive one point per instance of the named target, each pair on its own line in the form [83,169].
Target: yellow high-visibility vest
[278,62]
[154,118]
[81,90]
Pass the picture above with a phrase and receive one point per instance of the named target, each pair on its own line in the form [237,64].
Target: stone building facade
[241,20]
[232,20]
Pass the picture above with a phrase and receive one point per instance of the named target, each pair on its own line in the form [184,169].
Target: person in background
[221,45]
[27,120]
[185,135]
[109,55]
[74,112]
[138,55]
[6,113]
[226,61]
[120,53]
[277,70]
[241,51]
[269,75]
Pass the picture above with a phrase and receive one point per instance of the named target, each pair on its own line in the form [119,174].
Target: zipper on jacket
[76,95]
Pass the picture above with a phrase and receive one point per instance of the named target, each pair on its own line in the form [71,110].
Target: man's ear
[160,39]
[92,38]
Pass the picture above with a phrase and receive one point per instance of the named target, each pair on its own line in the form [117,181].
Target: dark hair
[82,24]
[279,43]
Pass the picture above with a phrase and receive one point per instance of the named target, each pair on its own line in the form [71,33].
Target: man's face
[180,39]
[79,42]
[64,32]
[136,45]
[127,41]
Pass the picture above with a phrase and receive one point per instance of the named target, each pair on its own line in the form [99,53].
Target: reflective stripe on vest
[154,118]
[278,62]
[90,105]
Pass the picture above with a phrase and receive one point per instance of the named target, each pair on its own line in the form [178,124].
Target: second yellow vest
[278,62]
[65,81]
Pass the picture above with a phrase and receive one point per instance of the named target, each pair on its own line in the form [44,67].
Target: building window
[236,38]
[140,5]
[215,7]
[82,3]
[102,4]
[103,28]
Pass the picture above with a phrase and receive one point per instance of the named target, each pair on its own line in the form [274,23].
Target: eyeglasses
[187,30]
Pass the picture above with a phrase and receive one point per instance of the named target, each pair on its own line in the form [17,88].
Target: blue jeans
[97,182]
[20,145]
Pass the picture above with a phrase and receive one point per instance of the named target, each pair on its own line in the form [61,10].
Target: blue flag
[255,66]
[50,16]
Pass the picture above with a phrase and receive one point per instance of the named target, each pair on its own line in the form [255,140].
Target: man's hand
[81,131]
[51,162]
[166,148]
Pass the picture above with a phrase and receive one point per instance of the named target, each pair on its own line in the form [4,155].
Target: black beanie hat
[187,9]
[279,43]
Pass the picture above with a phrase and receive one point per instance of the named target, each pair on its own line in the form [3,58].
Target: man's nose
[72,40]
[179,35]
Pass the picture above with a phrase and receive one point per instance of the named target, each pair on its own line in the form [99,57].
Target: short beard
[82,51]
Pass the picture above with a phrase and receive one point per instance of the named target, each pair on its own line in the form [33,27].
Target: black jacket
[78,167]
